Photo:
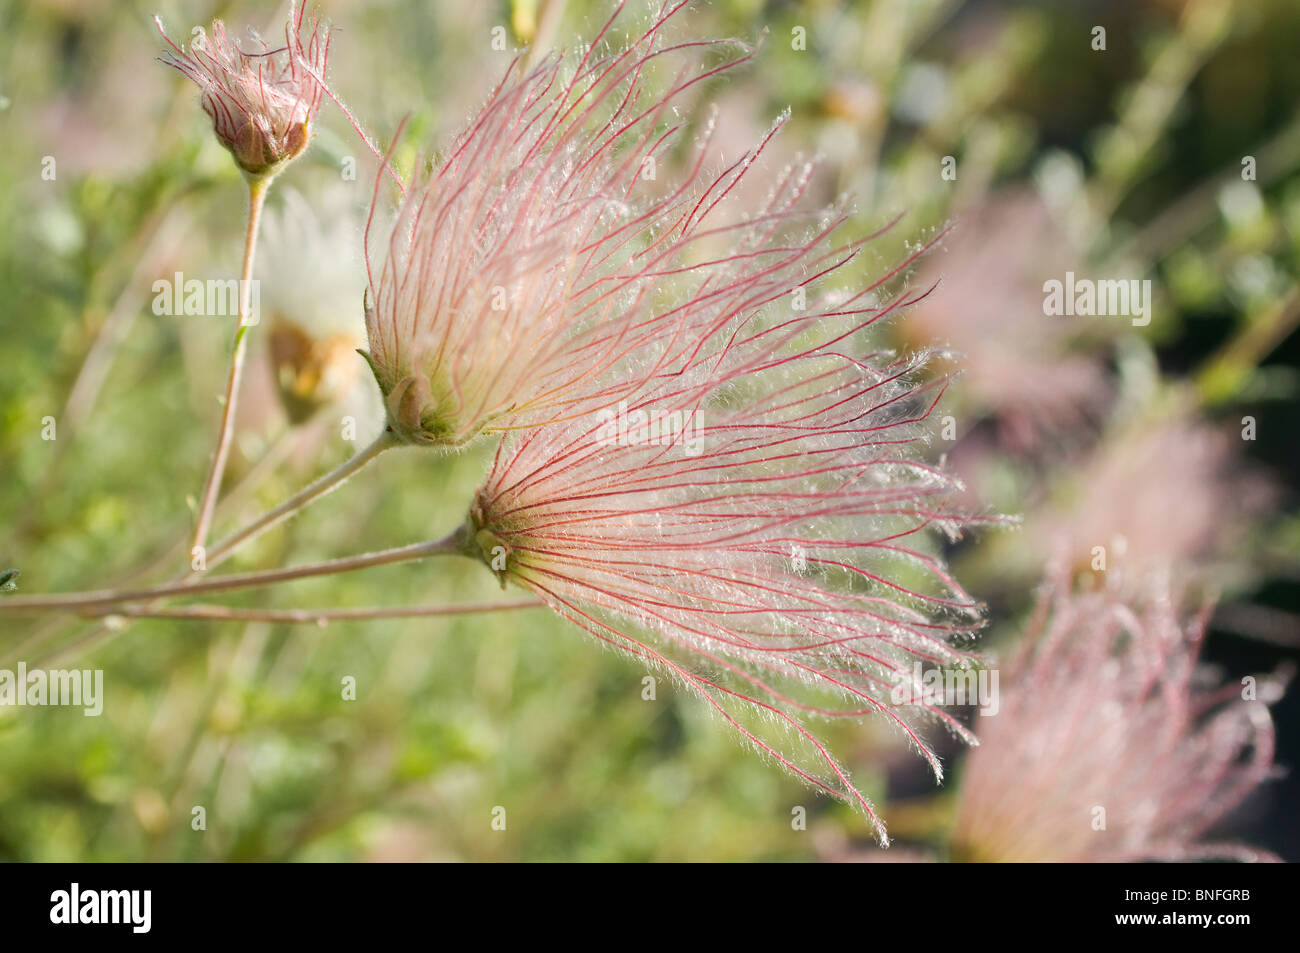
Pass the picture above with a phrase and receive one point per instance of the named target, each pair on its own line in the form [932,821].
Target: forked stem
[308,494]
[84,602]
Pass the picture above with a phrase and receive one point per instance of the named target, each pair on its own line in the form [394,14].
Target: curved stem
[257,189]
[315,616]
[81,601]
[313,491]
[222,550]
[57,626]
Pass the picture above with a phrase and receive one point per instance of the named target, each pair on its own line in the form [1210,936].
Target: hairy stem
[99,599]
[223,550]
[310,493]
[257,189]
[315,616]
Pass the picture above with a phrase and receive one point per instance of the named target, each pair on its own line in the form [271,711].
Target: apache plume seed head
[530,261]
[262,102]
[756,520]
[1107,747]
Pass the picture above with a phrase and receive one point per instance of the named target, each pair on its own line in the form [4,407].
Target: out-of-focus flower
[262,102]
[1019,365]
[1107,746]
[312,253]
[1168,492]
[854,101]
[756,522]
[540,251]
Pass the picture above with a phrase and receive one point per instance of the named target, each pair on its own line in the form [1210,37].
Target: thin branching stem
[257,189]
[309,494]
[317,616]
[94,600]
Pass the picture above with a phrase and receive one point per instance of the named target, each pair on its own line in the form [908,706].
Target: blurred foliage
[1136,151]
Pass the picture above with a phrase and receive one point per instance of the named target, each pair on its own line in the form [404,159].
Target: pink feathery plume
[756,519]
[537,255]
[262,103]
[1107,746]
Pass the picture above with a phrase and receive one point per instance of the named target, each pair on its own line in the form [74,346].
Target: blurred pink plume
[1109,744]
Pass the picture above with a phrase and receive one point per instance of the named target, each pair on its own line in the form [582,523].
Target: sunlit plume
[757,521]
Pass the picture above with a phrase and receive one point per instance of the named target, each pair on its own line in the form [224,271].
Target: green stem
[85,602]
[1224,374]
[312,492]
[257,189]
[315,616]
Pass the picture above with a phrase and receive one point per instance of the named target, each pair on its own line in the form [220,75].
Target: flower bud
[263,102]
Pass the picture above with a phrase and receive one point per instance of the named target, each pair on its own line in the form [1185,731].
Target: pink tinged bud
[263,101]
